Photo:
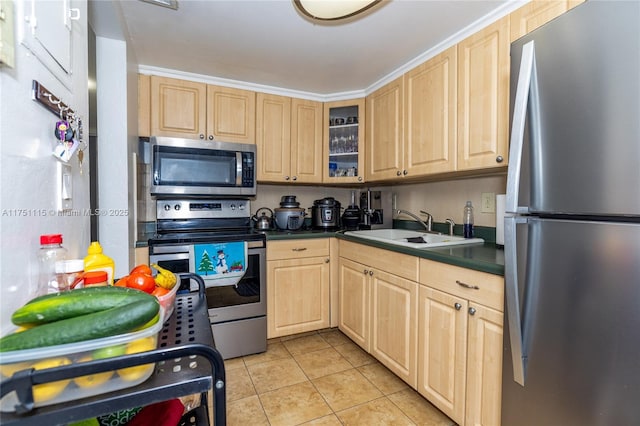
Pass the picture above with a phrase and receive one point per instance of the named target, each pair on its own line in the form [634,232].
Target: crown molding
[476,26]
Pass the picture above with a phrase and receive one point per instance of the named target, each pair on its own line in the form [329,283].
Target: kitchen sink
[412,239]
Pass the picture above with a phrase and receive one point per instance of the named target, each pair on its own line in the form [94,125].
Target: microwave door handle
[238,169]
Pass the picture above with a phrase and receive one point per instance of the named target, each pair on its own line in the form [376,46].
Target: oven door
[176,261]
[245,299]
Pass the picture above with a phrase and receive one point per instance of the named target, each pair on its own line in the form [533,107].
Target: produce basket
[82,352]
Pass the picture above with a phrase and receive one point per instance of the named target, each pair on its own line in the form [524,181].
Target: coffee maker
[375,210]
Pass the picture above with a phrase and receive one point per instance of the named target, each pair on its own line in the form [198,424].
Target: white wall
[443,200]
[117,138]
[27,170]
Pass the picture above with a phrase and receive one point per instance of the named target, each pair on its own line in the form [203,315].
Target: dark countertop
[485,257]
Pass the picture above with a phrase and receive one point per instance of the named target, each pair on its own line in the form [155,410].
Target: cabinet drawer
[403,265]
[297,249]
[453,279]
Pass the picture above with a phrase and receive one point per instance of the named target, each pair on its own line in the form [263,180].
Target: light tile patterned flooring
[321,378]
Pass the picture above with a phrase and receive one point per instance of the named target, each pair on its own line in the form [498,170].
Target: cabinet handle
[327,260]
[201,136]
[472,311]
[371,272]
[210,137]
[294,178]
[366,272]
[472,287]
[499,159]
[457,306]
[299,249]
[359,178]
[398,173]
[404,172]
[287,178]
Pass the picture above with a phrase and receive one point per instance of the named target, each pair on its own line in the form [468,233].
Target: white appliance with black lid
[190,235]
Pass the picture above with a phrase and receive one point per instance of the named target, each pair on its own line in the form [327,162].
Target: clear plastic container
[72,353]
[468,220]
[51,251]
[68,273]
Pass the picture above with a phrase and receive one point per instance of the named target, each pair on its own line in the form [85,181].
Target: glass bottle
[468,220]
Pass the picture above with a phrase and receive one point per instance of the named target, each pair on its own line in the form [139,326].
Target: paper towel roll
[500,205]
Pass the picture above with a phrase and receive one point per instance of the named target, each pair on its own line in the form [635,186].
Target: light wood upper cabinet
[144,105]
[483,98]
[231,114]
[289,139]
[344,141]
[430,116]
[298,285]
[192,110]
[273,137]
[178,108]
[306,141]
[537,13]
[384,150]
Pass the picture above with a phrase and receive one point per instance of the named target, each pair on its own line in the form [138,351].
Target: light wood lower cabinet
[378,307]
[298,283]
[460,342]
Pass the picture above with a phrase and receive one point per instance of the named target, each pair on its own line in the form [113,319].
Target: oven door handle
[197,278]
[155,258]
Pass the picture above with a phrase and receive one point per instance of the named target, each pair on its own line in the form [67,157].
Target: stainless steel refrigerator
[572,228]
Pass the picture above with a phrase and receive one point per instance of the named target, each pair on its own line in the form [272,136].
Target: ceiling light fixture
[171,4]
[332,10]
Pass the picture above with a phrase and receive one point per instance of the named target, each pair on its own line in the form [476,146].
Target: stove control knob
[232,206]
[167,207]
[177,207]
[240,206]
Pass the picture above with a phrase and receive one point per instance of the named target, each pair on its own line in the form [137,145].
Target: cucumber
[59,306]
[109,322]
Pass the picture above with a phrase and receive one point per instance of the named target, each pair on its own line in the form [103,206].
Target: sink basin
[413,239]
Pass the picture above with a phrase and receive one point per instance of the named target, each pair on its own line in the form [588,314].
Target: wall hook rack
[41,94]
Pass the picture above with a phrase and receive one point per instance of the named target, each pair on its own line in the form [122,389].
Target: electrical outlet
[488,202]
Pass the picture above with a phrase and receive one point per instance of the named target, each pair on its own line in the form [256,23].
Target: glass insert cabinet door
[344,141]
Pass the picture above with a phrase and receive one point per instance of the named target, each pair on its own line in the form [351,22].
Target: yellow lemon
[8,369]
[47,391]
[135,373]
[92,380]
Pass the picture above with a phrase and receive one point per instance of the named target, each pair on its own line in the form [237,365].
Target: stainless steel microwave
[202,168]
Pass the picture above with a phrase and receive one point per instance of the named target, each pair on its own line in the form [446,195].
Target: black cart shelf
[186,363]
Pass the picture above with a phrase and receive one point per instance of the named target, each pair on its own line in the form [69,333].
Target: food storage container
[89,350]
[167,301]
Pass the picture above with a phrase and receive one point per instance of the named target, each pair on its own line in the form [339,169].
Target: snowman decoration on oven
[221,263]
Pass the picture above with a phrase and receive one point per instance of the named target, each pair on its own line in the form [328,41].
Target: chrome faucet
[451,225]
[427,224]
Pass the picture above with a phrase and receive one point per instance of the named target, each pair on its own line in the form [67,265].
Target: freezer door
[576,286]
[581,132]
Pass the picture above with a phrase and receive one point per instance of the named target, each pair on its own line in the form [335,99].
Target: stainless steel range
[214,239]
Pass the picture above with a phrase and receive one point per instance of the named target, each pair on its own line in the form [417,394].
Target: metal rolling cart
[186,364]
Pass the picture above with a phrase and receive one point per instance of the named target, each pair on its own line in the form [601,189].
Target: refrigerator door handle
[514,315]
[527,85]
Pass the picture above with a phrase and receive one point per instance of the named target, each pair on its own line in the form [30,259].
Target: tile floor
[321,378]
